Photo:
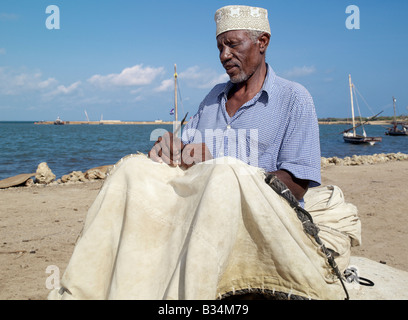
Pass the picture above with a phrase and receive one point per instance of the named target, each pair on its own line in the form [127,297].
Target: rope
[358,106]
[355,89]
[181,99]
[308,225]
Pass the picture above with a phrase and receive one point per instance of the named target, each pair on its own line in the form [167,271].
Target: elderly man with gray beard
[257,117]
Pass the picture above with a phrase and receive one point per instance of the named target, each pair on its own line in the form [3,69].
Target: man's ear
[264,42]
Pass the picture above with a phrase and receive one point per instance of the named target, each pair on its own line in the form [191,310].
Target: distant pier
[107,122]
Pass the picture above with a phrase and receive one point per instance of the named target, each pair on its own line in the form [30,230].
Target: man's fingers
[187,157]
[195,153]
[155,153]
[167,149]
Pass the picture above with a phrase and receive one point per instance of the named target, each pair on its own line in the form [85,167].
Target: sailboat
[350,135]
[394,130]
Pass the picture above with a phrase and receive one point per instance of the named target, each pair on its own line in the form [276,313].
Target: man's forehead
[232,35]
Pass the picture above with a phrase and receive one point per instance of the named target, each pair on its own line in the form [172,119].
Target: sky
[115,59]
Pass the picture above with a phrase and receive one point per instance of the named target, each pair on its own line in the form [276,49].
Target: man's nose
[225,54]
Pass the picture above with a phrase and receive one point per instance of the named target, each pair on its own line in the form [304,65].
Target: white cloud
[63,90]
[196,78]
[202,79]
[133,76]
[297,72]
[14,82]
[8,16]
[216,80]
[166,85]
[136,91]
[47,83]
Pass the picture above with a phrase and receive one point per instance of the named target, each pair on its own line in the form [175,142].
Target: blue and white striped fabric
[276,130]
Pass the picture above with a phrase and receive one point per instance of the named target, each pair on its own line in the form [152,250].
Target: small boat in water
[398,128]
[59,122]
[350,135]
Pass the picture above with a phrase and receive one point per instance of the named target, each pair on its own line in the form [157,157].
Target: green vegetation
[379,119]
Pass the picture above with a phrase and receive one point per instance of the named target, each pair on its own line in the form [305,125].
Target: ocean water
[24,145]
[332,144]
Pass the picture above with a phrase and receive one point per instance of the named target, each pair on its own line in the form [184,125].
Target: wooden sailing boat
[350,135]
[394,130]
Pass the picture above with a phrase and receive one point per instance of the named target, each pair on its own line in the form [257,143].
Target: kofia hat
[241,18]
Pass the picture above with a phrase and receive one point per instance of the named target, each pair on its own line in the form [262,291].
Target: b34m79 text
[225,309]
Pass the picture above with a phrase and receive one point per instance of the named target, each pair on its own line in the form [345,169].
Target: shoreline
[158,122]
[167,122]
[45,176]
[374,123]
[104,122]
[356,160]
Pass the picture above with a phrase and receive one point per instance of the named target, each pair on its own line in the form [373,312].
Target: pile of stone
[363,160]
[44,175]
[91,174]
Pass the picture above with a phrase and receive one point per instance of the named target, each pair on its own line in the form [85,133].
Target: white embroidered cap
[241,18]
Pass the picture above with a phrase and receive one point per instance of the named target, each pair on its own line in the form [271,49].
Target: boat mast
[87,118]
[352,105]
[175,92]
[395,112]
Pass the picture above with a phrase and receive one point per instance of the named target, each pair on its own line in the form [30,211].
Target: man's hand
[167,149]
[195,153]
[170,150]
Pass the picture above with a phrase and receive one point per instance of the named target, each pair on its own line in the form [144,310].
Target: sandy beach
[39,225]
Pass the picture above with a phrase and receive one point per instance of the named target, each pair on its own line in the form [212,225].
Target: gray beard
[240,78]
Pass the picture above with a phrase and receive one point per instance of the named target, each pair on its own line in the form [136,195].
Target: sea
[68,148]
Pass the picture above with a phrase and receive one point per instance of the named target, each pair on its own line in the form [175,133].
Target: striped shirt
[276,130]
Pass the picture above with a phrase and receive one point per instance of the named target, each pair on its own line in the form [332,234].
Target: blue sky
[117,58]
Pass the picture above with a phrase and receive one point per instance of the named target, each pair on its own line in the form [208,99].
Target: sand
[39,225]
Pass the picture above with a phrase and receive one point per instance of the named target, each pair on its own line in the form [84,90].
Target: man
[257,117]
[216,231]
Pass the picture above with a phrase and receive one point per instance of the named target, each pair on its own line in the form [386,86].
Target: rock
[94,174]
[44,174]
[324,162]
[336,161]
[347,161]
[389,283]
[74,176]
[103,169]
[29,183]
[18,180]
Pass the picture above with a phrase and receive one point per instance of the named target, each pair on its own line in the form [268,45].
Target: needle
[182,122]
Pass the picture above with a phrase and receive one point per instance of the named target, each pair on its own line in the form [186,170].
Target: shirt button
[229,126]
